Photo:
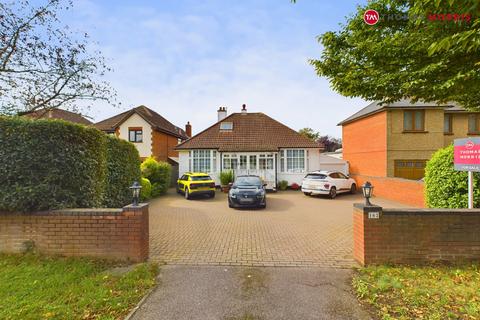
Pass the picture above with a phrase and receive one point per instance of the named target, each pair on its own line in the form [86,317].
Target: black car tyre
[333,192]
[187,194]
[212,195]
[307,193]
[353,188]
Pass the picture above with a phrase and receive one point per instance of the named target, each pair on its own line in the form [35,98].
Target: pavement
[292,260]
[294,230]
[251,293]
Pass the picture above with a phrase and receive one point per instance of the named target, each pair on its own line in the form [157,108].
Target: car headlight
[261,194]
[233,193]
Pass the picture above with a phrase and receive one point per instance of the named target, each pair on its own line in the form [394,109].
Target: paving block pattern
[294,230]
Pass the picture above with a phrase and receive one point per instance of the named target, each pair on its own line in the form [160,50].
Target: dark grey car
[247,191]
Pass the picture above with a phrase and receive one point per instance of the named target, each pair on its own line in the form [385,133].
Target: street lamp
[136,192]
[367,189]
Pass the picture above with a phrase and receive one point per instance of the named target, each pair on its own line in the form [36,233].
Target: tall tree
[43,64]
[330,143]
[309,133]
[420,49]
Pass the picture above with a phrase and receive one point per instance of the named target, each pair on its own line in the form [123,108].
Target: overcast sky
[185,58]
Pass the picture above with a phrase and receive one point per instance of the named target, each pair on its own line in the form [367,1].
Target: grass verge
[420,292]
[41,287]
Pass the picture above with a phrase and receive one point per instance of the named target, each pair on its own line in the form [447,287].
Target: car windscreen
[315,176]
[201,178]
[248,181]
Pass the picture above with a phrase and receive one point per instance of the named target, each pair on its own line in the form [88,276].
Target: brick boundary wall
[415,236]
[406,191]
[120,234]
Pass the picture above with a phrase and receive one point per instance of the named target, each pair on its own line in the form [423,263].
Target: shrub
[226,177]
[445,187]
[159,174]
[283,185]
[146,191]
[123,168]
[47,164]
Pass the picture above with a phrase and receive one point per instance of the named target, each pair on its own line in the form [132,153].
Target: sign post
[467,158]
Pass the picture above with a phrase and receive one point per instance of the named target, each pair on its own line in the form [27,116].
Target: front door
[259,164]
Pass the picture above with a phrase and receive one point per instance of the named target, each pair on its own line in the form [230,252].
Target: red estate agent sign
[467,154]
[370,17]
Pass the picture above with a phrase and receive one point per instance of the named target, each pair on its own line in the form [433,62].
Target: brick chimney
[222,113]
[244,109]
[188,129]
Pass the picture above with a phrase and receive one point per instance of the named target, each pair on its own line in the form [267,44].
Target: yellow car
[196,183]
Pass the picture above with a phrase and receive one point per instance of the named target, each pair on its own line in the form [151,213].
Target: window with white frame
[230,161]
[292,160]
[202,160]
[265,162]
[243,162]
[253,162]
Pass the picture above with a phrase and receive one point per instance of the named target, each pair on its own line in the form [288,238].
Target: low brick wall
[415,236]
[105,233]
[406,191]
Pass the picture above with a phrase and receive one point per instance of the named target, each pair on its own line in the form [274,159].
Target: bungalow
[152,134]
[250,143]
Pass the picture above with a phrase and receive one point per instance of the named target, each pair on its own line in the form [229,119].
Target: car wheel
[230,205]
[263,206]
[353,188]
[178,190]
[307,193]
[333,192]
[187,194]
[212,195]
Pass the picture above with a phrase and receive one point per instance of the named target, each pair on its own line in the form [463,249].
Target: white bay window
[203,161]
[293,160]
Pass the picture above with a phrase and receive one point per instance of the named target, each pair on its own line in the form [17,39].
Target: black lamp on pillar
[367,189]
[136,192]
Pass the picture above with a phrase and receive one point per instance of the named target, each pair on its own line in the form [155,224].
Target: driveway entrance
[294,230]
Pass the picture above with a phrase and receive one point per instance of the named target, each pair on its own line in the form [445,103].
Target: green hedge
[159,174]
[123,167]
[146,191]
[51,164]
[445,187]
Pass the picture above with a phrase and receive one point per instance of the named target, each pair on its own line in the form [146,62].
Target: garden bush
[159,174]
[47,164]
[226,177]
[123,168]
[283,185]
[146,191]
[445,187]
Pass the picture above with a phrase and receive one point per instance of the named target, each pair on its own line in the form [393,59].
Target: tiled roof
[158,122]
[376,106]
[251,132]
[57,114]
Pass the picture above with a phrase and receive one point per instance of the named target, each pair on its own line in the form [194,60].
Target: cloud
[184,61]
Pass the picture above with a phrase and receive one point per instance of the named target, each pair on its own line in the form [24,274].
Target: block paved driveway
[294,230]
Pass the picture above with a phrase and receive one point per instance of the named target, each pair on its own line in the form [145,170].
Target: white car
[327,182]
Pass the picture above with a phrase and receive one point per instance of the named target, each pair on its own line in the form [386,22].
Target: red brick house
[152,134]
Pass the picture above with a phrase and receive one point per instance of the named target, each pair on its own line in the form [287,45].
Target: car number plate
[246,200]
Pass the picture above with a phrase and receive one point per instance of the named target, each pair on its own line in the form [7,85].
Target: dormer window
[226,126]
